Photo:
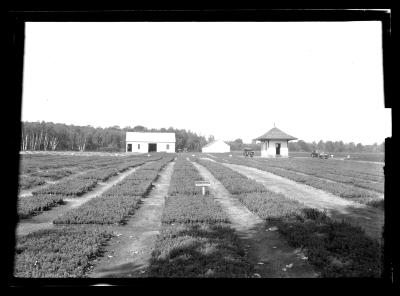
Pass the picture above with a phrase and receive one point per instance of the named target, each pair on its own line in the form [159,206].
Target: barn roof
[213,142]
[275,134]
[150,137]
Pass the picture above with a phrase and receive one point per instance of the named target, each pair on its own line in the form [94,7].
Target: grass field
[336,249]
[196,237]
[361,182]
[370,157]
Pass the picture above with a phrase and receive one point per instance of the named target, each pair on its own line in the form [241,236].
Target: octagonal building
[274,143]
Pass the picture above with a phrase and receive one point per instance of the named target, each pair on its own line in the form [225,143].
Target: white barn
[217,146]
[145,142]
[274,143]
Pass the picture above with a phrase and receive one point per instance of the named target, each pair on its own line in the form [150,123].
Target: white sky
[314,80]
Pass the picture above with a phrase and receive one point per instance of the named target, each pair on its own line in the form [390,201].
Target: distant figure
[331,155]
[348,156]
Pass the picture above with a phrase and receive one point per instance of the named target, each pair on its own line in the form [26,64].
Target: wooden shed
[150,142]
[274,143]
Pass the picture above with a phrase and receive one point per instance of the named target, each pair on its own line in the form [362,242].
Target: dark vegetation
[60,137]
[195,240]
[336,249]
[117,203]
[343,186]
[64,252]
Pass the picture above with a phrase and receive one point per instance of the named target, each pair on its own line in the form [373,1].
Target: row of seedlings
[68,250]
[46,167]
[196,239]
[356,194]
[336,249]
[118,202]
[53,195]
[360,176]
[64,252]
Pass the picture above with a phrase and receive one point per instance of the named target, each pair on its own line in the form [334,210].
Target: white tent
[217,146]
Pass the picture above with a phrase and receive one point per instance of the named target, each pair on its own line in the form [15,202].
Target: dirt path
[267,250]
[129,254]
[369,218]
[46,218]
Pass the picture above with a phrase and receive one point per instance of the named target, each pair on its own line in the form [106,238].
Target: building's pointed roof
[275,134]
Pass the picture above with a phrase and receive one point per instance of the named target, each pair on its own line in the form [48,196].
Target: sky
[313,80]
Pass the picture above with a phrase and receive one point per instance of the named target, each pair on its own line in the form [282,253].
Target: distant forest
[60,137]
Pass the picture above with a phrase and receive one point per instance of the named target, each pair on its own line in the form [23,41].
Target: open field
[360,157]
[300,224]
[83,214]
[361,182]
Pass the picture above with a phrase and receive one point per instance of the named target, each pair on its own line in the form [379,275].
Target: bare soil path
[46,218]
[128,255]
[369,218]
[267,250]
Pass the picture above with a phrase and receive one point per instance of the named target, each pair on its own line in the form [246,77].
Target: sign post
[203,185]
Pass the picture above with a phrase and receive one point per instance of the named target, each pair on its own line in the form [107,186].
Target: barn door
[278,148]
[152,147]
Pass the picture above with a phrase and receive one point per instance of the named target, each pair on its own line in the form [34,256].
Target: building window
[138,146]
[167,146]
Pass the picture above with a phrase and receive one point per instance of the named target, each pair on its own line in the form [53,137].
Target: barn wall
[144,147]
[270,151]
[162,147]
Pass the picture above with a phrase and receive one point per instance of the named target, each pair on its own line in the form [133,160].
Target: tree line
[336,147]
[328,146]
[60,137]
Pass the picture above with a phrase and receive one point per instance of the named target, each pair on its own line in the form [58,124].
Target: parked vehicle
[248,152]
[314,154]
[321,155]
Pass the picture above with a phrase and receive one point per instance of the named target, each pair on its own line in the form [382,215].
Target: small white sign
[202,183]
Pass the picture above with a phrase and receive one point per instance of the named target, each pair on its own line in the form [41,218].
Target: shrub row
[84,183]
[336,249]
[115,204]
[183,179]
[337,170]
[54,174]
[46,198]
[354,178]
[73,187]
[199,250]
[192,208]
[345,191]
[195,240]
[58,253]
[255,196]
[26,182]
[31,205]
[101,210]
